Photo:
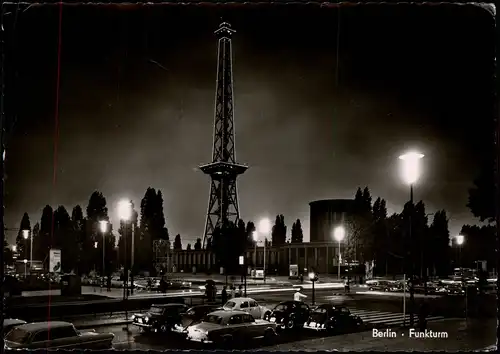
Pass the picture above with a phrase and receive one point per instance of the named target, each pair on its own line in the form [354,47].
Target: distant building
[325,215]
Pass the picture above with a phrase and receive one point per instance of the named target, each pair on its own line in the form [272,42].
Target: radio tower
[223,170]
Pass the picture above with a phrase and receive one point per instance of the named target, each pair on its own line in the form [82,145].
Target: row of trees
[372,235]
[82,243]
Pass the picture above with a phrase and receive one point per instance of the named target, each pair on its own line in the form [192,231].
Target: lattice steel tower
[223,170]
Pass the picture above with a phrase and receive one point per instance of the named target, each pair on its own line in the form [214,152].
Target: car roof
[327,306]
[168,305]
[36,326]
[225,314]
[12,321]
[239,300]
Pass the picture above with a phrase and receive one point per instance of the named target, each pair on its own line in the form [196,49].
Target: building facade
[325,215]
[321,254]
[321,257]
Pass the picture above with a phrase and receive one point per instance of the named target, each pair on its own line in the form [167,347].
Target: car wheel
[371,289]
[163,328]
[290,324]
[267,315]
[330,327]
[269,335]
[227,341]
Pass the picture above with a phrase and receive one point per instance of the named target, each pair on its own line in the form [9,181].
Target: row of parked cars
[241,319]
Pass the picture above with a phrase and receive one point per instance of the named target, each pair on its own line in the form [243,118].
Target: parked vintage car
[248,305]
[9,323]
[63,335]
[159,318]
[192,316]
[230,328]
[332,319]
[289,314]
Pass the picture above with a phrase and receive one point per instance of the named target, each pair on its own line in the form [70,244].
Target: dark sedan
[159,318]
[192,316]
[332,319]
[289,314]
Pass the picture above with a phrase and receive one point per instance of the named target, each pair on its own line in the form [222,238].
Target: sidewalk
[478,334]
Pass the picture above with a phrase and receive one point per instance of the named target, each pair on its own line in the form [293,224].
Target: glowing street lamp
[339,235]
[124,210]
[14,248]
[410,174]
[264,229]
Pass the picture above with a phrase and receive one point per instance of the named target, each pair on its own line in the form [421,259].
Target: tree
[482,196]
[479,244]
[278,234]
[65,239]
[188,247]
[359,238]
[228,243]
[297,234]
[96,211]
[35,233]
[147,229]
[197,245]
[177,243]
[78,229]
[250,229]
[46,234]
[23,245]
[380,234]
[7,253]
[439,253]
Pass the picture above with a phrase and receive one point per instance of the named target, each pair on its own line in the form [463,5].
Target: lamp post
[242,265]
[25,262]
[338,235]
[312,278]
[255,237]
[460,239]
[125,213]
[103,225]
[26,234]
[411,173]
[265,229]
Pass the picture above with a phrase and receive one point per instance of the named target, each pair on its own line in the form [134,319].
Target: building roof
[338,203]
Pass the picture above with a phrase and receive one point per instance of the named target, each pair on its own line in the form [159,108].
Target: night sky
[136,109]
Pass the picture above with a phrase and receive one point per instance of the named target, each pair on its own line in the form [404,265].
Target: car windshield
[281,307]
[230,304]
[17,335]
[156,310]
[319,310]
[212,319]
